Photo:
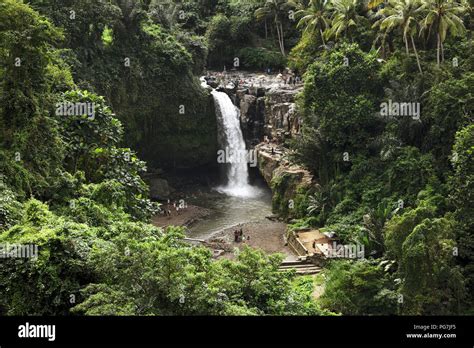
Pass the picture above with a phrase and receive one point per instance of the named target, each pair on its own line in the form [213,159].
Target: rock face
[267,106]
[159,188]
[281,119]
[288,183]
[252,118]
[268,110]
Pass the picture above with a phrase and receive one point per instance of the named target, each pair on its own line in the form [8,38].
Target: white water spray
[231,139]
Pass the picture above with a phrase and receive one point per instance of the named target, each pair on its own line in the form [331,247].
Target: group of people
[239,236]
[289,77]
[176,207]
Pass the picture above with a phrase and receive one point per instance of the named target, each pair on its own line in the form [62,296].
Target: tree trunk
[282,40]
[442,51]
[279,29]
[278,33]
[266,30]
[322,37]
[383,47]
[406,44]
[437,49]
[416,54]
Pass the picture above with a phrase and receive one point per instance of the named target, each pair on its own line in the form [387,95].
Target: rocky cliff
[267,105]
[268,117]
[289,183]
[281,118]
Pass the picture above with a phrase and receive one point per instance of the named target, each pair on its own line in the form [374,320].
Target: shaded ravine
[237,200]
[242,200]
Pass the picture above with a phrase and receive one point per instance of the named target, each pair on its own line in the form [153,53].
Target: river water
[228,211]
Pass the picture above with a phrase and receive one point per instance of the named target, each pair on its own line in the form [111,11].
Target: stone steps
[304,271]
[301,267]
[297,266]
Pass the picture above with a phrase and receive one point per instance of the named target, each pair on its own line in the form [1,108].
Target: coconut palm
[402,15]
[374,222]
[374,3]
[314,18]
[442,17]
[165,13]
[322,201]
[344,18]
[277,11]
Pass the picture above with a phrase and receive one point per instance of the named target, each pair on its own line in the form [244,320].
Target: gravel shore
[265,235]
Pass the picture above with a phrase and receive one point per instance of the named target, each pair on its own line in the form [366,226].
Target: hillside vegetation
[399,183]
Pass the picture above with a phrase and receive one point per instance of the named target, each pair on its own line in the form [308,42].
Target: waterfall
[232,148]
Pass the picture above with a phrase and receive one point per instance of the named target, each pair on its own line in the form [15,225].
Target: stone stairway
[302,267]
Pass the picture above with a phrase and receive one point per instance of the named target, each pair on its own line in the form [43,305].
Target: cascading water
[233,150]
[236,202]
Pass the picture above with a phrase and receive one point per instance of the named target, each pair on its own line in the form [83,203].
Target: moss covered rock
[290,184]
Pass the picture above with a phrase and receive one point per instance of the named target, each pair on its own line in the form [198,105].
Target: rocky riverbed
[186,217]
[268,117]
[268,236]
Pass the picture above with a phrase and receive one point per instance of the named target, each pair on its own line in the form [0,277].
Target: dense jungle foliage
[402,186]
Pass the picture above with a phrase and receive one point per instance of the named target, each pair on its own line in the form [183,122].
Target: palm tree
[443,17]
[374,222]
[403,15]
[315,17]
[374,3]
[322,201]
[165,13]
[344,17]
[277,11]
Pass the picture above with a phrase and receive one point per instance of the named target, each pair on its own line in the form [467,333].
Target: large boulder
[159,188]
[288,182]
